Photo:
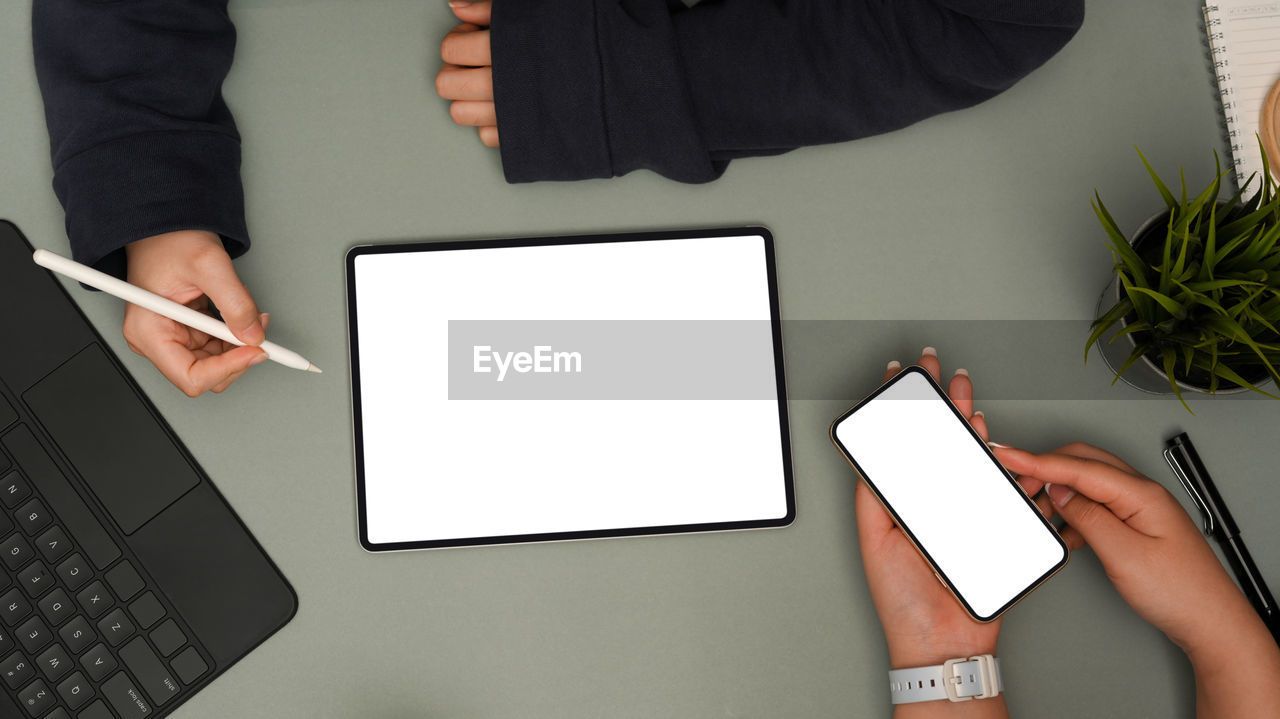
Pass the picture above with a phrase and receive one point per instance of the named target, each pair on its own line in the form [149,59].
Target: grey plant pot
[1144,375]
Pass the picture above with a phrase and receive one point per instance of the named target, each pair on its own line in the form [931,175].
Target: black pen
[1185,463]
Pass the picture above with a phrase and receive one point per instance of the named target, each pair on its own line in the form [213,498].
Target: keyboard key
[16,552]
[95,600]
[7,642]
[7,415]
[124,580]
[96,710]
[36,579]
[75,572]
[53,545]
[188,665]
[115,627]
[33,517]
[34,635]
[125,698]
[16,670]
[13,489]
[57,607]
[77,635]
[14,607]
[98,662]
[75,691]
[59,713]
[6,524]
[168,638]
[54,663]
[36,699]
[76,517]
[150,672]
[147,610]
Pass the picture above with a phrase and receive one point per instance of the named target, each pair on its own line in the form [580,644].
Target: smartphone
[985,539]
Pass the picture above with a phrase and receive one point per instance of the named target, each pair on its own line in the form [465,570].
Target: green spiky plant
[1204,304]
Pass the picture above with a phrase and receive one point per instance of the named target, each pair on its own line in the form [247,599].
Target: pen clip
[1191,489]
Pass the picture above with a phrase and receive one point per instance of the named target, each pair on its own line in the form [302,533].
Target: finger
[961,392]
[466,45]
[226,383]
[144,329]
[1123,493]
[1072,537]
[220,282]
[478,12]
[465,83]
[929,361]
[979,423]
[1032,487]
[196,374]
[489,136]
[891,369]
[1088,451]
[476,113]
[1110,538]
[265,319]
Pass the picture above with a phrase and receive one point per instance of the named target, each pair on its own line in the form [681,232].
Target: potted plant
[1197,288]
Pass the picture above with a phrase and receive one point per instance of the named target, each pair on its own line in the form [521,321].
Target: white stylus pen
[162,306]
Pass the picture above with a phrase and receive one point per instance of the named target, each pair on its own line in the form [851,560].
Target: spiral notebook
[1244,38]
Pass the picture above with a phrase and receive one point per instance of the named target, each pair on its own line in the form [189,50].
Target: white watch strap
[957,680]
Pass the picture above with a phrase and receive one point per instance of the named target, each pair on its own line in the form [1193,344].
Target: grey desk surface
[978,215]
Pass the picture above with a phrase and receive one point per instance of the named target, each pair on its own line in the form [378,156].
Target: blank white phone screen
[962,509]
[437,469]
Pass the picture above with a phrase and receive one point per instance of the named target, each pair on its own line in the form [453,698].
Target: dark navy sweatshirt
[143,143]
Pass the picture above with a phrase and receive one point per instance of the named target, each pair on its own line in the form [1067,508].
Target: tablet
[559,388]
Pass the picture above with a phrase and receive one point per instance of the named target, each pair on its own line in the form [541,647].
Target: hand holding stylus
[173,278]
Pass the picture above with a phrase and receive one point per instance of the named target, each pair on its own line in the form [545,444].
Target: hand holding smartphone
[984,538]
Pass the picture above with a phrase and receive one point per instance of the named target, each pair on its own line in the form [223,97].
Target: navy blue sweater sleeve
[141,139]
[598,88]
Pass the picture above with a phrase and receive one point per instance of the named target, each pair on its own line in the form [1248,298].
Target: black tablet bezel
[354,344]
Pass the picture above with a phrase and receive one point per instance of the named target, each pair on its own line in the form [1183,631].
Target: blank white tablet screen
[437,469]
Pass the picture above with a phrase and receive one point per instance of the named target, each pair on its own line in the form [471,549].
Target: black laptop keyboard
[83,634]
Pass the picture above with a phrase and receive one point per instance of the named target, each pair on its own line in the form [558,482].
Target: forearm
[1237,674]
[141,140]
[822,71]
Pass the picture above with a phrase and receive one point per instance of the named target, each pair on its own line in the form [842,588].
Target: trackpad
[111,437]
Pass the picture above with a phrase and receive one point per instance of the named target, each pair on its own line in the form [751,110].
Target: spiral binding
[1222,74]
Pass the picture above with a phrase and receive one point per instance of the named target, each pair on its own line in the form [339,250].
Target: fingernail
[929,352]
[962,372]
[1058,494]
[978,413]
[997,445]
[459,3]
[262,357]
[254,334]
[893,364]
